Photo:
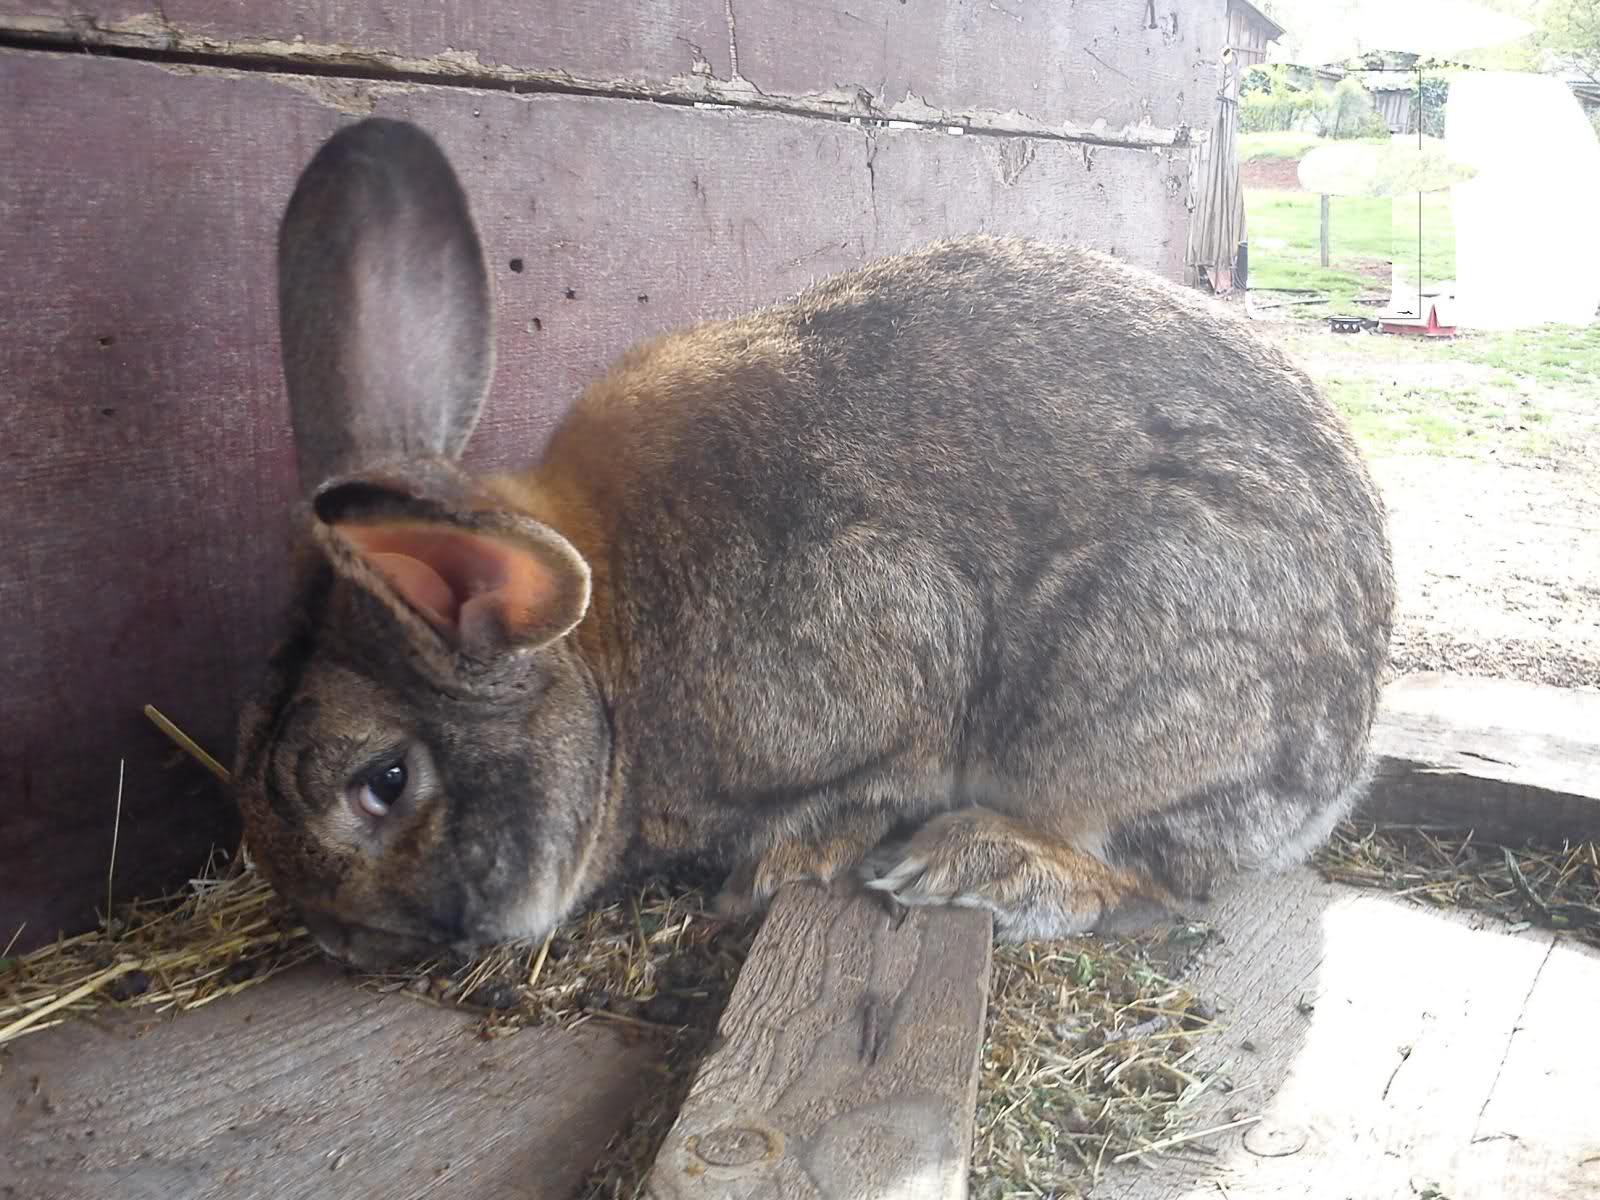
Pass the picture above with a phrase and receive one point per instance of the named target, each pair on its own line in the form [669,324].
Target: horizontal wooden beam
[849,1062]
[1097,70]
[1513,761]
[309,1086]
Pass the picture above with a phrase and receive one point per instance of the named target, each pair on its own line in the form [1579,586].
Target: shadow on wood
[308,1086]
[849,1065]
[1514,762]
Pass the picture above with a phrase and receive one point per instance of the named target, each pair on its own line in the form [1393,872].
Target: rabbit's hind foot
[1037,886]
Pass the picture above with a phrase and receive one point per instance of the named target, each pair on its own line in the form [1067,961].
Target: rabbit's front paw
[751,887]
[1035,885]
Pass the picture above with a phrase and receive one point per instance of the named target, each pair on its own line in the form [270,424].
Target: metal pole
[1421,112]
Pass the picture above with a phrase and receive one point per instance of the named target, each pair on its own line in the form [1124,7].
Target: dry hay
[228,932]
[1527,886]
[1089,1058]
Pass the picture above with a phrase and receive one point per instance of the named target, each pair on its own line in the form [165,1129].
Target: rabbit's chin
[374,948]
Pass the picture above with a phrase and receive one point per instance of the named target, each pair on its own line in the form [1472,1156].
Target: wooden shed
[635,165]
[1250,33]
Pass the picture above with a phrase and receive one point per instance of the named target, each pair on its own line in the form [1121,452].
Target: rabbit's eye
[381,789]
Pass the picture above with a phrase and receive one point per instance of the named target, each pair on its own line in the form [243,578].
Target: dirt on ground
[1281,174]
[1496,548]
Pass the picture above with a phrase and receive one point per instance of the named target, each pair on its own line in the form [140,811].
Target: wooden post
[1323,206]
[850,1060]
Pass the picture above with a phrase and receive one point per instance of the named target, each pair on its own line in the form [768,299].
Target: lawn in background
[1284,231]
[1467,397]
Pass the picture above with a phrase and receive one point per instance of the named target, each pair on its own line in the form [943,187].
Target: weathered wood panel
[850,1059]
[308,1087]
[147,475]
[1113,69]
[1512,761]
[1391,1048]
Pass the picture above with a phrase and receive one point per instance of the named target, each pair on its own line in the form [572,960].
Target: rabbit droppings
[996,573]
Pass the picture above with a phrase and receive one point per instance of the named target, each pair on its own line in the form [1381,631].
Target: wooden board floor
[308,1086]
[1394,1052]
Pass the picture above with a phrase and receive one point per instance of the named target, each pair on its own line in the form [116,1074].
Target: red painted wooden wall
[647,163]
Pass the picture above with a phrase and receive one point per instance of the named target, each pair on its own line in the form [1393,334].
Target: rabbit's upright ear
[383,304]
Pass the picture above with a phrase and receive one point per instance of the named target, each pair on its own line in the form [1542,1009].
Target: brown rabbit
[998,572]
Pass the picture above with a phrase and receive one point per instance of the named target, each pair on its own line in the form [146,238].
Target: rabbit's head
[424,767]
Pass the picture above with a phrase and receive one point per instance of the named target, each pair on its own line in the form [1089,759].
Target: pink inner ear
[419,584]
[456,578]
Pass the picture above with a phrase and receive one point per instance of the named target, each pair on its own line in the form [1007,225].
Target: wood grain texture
[849,1060]
[147,476]
[1109,69]
[307,1086]
[1513,761]
[1390,1049]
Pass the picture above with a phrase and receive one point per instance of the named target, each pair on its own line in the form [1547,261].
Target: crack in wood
[1405,1054]
[1511,1037]
[876,1018]
[152,39]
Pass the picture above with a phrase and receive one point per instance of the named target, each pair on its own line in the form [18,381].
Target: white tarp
[1336,30]
[1528,224]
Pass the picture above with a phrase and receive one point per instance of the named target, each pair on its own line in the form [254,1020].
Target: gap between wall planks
[849,1065]
[1513,761]
[309,1088]
[1107,71]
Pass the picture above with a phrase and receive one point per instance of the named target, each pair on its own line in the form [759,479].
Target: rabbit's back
[1010,520]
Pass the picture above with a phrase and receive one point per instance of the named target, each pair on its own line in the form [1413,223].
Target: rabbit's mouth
[369,948]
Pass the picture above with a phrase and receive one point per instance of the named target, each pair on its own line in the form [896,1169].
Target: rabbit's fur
[997,573]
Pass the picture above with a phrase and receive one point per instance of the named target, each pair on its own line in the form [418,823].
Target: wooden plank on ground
[1513,761]
[849,1064]
[1104,69]
[145,467]
[1389,1049]
[1523,1136]
[307,1086]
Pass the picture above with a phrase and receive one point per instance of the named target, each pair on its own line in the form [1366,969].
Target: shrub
[1259,79]
[1435,94]
[1348,112]
[1275,112]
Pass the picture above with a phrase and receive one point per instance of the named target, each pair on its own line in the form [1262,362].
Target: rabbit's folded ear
[485,581]
[384,304]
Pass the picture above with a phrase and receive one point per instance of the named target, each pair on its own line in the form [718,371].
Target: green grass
[1527,392]
[1460,420]
[1284,230]
[1555,356]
